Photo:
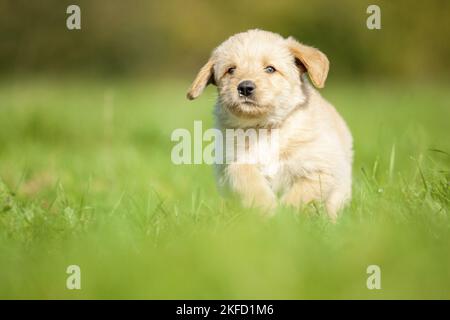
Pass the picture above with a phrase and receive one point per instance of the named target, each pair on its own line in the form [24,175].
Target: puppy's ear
[204,77]
[315,62]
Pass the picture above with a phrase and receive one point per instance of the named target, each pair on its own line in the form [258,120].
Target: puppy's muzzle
[246,88]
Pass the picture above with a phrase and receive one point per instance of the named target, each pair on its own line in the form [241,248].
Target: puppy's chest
[274,173]
[266,156]
[278,174]
[281,165]
[278,160]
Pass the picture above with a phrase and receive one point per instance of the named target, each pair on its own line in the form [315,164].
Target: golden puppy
[261,83]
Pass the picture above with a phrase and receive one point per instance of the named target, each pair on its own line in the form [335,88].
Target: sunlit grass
[86,178]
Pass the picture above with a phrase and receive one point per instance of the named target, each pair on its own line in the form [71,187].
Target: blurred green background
[86,176]
[160,38]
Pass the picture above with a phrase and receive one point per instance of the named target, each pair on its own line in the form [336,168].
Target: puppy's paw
[262,199]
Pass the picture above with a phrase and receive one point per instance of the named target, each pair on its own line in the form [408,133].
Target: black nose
[246,88]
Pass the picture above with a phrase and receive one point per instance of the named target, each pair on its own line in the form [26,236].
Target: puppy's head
[258,73]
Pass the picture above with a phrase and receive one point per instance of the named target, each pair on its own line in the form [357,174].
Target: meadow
[86,179]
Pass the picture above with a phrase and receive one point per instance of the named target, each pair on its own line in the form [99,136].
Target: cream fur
[315,161]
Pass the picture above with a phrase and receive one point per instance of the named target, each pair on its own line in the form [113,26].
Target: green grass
[86,179]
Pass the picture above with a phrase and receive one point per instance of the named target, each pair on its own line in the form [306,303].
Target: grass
[86,179]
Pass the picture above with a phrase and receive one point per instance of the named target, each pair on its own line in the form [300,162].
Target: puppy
[262,84]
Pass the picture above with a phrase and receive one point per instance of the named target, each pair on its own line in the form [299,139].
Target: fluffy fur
[315,152]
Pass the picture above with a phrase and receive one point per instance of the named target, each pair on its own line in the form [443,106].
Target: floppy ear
[204,77]
[315,62]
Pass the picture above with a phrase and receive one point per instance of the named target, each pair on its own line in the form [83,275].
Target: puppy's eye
[269,69]
[231,70]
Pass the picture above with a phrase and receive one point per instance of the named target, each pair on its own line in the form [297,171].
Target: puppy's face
[258,73]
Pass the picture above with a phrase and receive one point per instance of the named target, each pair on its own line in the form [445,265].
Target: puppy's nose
[246,88]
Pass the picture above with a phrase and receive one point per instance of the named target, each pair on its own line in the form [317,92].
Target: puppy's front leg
[247,182]
[304,191]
